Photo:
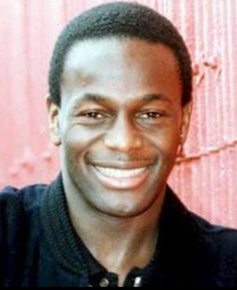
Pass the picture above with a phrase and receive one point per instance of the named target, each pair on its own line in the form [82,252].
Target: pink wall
[206,178]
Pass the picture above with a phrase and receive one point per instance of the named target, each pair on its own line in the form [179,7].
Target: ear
[53,119]
[186,119]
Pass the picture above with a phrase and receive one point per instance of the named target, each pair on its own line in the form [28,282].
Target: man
[119,108]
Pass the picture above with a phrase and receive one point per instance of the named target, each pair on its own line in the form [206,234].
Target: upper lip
[123,165]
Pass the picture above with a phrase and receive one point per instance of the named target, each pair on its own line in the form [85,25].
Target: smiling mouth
[122,178]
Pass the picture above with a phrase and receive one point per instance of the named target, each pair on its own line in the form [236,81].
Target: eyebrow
[105,101]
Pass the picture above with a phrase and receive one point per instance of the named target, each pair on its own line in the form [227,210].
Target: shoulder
[214,248]
[220,235]
[18,207]
[16,201]
[219,239]
[18,225]
[220,243]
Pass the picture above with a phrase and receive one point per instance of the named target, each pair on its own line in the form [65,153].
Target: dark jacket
[39,247]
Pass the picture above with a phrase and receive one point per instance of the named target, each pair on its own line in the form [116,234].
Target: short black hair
[120,19]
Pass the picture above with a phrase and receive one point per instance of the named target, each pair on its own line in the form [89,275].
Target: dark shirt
[39,247]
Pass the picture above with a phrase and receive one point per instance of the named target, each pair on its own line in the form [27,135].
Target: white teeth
[117,173]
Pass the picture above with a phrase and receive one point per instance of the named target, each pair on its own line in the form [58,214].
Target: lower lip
[122,183]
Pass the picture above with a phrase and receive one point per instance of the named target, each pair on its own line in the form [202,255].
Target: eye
[93,115]
[151,116]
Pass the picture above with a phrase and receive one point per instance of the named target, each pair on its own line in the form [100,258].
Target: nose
[123,136]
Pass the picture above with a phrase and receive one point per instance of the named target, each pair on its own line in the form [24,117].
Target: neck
[119,244]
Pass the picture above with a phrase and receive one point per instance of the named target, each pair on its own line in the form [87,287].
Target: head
[119,105]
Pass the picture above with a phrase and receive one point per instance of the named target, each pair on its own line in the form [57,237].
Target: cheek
[168,151]
[77,140]
[166,141]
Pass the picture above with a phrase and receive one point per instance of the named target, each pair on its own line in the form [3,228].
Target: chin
[123,210]
[123,214]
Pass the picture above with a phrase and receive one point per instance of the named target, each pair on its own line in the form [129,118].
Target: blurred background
[206,179]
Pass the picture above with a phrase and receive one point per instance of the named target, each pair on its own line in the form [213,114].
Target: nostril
[123,136]
[123,144]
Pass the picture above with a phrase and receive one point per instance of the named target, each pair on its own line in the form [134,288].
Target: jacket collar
[178,252]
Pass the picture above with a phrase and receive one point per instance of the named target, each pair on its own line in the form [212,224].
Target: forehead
[120,67]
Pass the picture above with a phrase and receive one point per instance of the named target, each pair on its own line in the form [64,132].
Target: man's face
[120,123]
